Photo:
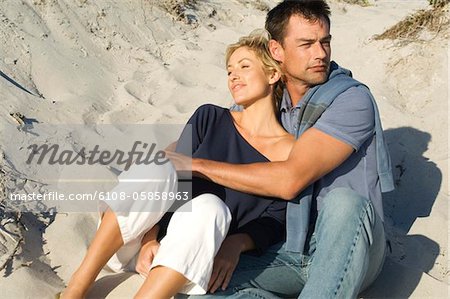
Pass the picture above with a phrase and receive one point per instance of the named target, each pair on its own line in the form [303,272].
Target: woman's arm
[149,248]
[227,259]
[257,235]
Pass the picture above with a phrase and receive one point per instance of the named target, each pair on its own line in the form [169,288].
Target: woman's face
[247,80]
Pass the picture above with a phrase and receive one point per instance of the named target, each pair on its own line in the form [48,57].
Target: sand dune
[96,63]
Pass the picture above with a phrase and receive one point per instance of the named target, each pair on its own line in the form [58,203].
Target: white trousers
[193,237]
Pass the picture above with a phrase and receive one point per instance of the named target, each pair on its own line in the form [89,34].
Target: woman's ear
[276,50]
[274,76]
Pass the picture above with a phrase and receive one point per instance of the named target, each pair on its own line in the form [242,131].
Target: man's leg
[275,274]
[347,248]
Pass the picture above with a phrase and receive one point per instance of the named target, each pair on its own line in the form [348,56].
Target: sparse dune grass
[358,2]
[434,20]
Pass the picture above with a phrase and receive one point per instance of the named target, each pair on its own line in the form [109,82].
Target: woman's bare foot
[70,293]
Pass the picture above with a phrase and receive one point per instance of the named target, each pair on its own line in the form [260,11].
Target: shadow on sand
[418,181]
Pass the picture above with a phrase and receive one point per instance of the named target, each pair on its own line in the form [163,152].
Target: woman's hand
[149,248]
[227,259]
[146,255]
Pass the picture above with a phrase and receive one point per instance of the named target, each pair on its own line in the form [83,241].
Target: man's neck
[296,91]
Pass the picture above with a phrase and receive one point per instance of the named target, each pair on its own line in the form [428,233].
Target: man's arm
[313,155]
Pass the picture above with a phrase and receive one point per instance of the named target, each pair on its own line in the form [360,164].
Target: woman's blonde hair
[258,42]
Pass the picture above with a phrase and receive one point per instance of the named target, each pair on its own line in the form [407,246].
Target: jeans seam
[242,292]
[271,265]
[350,256]
[304,266]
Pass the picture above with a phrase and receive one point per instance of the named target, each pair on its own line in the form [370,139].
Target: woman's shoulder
[209,108]
[209,112]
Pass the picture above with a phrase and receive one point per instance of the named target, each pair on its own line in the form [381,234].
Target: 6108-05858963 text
[106,196]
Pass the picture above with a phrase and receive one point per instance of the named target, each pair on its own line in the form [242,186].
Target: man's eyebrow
[326,38]
[311,40]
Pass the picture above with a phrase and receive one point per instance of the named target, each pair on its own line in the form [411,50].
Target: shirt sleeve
[190,139]
[268,229]
[350,118]
[196,129]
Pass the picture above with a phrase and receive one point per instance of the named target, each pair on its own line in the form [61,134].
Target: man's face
[306,51]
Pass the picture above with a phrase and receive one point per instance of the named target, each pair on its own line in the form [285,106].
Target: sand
[141,62]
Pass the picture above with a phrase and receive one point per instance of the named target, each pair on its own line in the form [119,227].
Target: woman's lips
[236,87]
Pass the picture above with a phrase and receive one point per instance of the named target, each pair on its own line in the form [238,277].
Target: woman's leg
[107,241]
[161,283]
[185,258]
[124,224]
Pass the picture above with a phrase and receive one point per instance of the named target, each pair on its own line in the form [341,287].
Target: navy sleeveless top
[215,137]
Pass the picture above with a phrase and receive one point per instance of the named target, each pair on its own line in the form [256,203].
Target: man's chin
[318,79]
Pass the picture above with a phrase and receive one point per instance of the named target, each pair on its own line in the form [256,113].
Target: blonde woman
[201,249]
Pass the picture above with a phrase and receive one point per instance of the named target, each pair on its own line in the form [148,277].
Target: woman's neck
[259,119]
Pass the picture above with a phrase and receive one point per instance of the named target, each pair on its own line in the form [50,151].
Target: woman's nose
[234,75]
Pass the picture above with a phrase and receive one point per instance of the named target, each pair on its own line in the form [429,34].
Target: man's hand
[227,259]
[146,255]
[184,165]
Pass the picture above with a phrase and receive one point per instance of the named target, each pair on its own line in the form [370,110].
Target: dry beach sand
[144,62]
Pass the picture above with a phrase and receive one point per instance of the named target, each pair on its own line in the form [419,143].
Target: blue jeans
[346,253]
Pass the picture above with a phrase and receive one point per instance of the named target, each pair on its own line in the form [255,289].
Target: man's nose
[319,51]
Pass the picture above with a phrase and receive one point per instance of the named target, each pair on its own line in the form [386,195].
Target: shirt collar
[286,102]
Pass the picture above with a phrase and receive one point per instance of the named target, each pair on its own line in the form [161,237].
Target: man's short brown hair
[278,17]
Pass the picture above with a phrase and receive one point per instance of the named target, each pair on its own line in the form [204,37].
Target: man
[336,171]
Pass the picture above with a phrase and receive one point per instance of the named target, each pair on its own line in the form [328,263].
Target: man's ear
[276,50]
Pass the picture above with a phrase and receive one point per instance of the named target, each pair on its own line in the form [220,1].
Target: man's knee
[344,204]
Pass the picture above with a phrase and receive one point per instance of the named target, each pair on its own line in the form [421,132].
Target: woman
[202,247]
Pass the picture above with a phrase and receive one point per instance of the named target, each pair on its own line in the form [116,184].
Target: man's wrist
[198,168]
[196,165]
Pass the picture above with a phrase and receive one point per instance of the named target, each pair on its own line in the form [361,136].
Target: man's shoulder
[356,97]
[350,118]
